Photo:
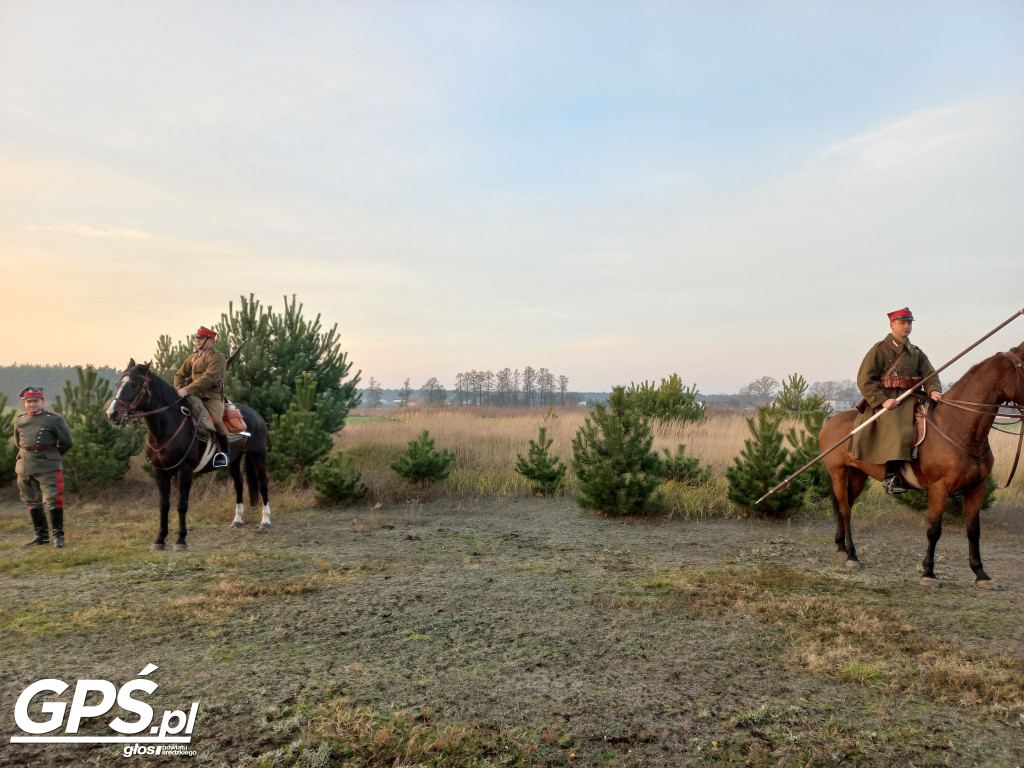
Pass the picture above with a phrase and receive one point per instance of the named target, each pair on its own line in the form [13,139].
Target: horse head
[1014,392]
[130,392]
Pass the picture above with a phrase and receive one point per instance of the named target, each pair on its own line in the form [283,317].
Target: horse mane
[966,379]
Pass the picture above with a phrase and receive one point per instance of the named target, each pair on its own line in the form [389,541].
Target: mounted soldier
[891,367]
[201,379]
[43,438]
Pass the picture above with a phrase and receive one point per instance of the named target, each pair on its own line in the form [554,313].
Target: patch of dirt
[528,616]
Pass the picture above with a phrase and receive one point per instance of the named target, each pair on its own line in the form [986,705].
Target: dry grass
[486,442]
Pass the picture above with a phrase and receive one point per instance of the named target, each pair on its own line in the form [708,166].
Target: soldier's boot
[40,527]
[893,483]
[57,523]
[220,459]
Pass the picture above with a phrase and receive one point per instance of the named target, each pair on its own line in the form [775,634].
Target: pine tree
[616,469]
[545,472]
[422,463]
[336,482]
[102,452]
[812,410]
[765,463]
[684,469]
[8,450]
[300,437]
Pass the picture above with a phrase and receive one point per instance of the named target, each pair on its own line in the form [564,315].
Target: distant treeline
[14,378]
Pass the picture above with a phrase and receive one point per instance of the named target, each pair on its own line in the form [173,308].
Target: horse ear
[144,367]
[131,363]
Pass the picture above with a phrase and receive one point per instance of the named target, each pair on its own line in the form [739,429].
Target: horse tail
[252,480]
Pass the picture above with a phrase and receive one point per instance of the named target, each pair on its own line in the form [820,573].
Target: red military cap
[203,331]
[32,393]
[901,314]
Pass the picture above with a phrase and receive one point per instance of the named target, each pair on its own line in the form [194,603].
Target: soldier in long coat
[891,367]
[43,438]
[202,376]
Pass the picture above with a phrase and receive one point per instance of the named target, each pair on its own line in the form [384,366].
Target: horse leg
[163,484]
[261,474]
[972,517]
[937,495]
[184,488]
[236,478]
[846,487]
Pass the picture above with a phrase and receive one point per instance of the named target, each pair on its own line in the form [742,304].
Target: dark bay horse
[955,456]
[175,447]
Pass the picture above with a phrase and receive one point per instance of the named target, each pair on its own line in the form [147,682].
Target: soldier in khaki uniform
[891,367]
[202,376]
[43,437]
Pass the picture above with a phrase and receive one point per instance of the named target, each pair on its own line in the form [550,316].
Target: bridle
[992,409]
[130,416]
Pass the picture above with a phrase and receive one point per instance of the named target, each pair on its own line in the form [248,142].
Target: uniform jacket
[891,435]
[45,428]
[206,370]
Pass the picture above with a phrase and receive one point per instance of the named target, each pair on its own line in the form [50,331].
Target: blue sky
[615,191]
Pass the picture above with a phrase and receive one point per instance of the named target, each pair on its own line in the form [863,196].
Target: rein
[993,410]
[131,415]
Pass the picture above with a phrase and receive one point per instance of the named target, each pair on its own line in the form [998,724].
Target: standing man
[202,376]
[43,438]
[890,368]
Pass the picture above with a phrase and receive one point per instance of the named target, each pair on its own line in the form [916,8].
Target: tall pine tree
[617,472]
[762,464]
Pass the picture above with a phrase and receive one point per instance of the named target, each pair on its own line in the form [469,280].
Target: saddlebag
[233,421]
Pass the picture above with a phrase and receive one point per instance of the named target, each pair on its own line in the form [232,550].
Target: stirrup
[220,459]
[893,485]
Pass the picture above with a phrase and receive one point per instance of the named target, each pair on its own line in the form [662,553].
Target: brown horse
[954,457]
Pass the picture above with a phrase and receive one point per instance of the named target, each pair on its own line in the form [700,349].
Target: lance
[785,483]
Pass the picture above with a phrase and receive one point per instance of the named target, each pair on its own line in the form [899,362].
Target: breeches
[215,407]
[45,490]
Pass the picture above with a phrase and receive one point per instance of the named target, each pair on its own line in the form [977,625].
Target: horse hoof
[928,581]
[236,524]
[181,547]
[157,548]
[853,564]
[986,584]
[264,526]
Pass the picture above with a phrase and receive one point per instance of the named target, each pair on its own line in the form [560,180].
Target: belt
[49,447]
[900,382]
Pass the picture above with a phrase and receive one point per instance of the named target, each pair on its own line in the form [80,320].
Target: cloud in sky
[613,191]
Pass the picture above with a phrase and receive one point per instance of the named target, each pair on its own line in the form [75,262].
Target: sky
[615,191]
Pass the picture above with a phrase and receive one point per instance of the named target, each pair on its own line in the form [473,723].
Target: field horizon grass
[487,440]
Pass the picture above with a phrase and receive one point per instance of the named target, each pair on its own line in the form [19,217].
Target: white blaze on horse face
[117,396]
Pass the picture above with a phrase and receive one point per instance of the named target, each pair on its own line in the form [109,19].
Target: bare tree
[374,394]
[405,392]
[759,391]
[529,384]
[563,386]
[433,391]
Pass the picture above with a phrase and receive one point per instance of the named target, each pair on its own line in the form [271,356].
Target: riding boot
[57,522]
[40,527]
[220,459]
[893,483]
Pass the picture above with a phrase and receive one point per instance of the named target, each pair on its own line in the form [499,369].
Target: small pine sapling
[545,472]
[422,463]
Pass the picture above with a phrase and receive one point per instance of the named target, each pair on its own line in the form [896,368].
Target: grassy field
[476,625]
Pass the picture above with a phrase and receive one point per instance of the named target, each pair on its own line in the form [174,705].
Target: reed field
[486,442]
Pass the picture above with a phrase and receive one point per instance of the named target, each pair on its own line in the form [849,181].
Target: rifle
[900,399]
[234,354]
